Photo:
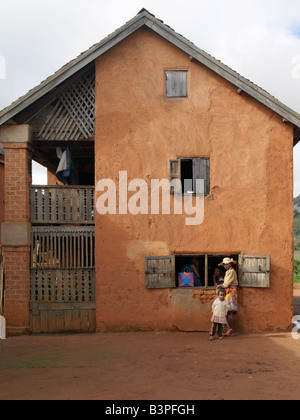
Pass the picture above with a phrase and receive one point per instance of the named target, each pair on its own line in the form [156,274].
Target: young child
[219,309]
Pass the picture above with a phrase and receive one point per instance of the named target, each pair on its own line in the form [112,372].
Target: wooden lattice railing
[62,264]
[62,204]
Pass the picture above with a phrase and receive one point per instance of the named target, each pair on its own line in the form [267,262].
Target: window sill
[196,287]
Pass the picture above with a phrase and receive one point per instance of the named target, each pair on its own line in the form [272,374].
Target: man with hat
[231,286]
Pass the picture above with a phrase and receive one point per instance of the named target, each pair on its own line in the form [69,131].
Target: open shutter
[201,171]
[174,173]
[160,272]
[254,270]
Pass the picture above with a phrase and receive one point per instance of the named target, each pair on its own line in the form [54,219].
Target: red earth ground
[151,366]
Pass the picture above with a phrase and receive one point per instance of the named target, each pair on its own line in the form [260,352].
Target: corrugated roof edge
[146,18]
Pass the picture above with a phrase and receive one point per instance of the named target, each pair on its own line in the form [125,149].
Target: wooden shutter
[254,270]
[176,83]
[201,171]
[160,272]
[174,172]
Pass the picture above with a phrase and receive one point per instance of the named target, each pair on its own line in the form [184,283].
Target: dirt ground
[151,366]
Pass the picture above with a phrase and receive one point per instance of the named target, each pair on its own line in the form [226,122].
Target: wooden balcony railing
[62,204]
[62,264]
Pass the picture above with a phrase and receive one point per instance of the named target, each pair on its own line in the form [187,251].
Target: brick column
[15,232]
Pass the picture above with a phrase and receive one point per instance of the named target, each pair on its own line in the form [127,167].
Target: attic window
[176,83]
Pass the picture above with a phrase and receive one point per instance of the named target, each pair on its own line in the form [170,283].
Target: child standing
[219,309]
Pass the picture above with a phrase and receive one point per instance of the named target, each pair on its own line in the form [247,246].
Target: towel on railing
[65,172]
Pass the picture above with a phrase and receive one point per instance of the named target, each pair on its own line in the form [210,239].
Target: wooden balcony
[62,205]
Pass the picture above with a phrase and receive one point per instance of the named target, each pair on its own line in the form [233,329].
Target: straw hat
[227,260]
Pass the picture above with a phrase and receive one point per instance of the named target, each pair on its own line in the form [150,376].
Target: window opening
[208,265]
[187,176]
[162,271]
[193,173]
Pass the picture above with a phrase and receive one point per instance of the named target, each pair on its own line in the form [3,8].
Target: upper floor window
[176,83]
[188,171]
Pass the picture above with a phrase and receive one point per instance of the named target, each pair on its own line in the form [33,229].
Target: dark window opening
[208,265]
[187,176]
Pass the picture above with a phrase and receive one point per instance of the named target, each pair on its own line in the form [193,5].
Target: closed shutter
[201,171]
[254,270]
[160,272]
[176,83]
[174,175]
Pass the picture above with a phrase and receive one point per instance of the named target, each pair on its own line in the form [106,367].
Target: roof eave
[71,68]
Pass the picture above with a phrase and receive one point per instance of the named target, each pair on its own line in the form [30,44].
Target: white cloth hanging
[65,171]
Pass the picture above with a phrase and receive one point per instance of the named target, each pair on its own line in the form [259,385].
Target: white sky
[260,39]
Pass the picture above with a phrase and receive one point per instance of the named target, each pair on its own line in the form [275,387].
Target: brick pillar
[15,232]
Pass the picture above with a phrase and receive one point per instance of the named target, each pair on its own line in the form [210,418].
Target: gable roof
[144,18]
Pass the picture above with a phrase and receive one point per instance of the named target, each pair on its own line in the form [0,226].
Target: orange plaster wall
[249,210]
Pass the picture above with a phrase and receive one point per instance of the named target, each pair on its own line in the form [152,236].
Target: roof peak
[144,10]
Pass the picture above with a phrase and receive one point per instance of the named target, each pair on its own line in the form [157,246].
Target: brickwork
[17,179]
[17,286]
[205,296]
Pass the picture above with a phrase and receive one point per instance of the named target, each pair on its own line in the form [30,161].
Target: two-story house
[173,156]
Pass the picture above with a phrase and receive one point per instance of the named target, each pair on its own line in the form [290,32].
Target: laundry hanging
[65,172]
